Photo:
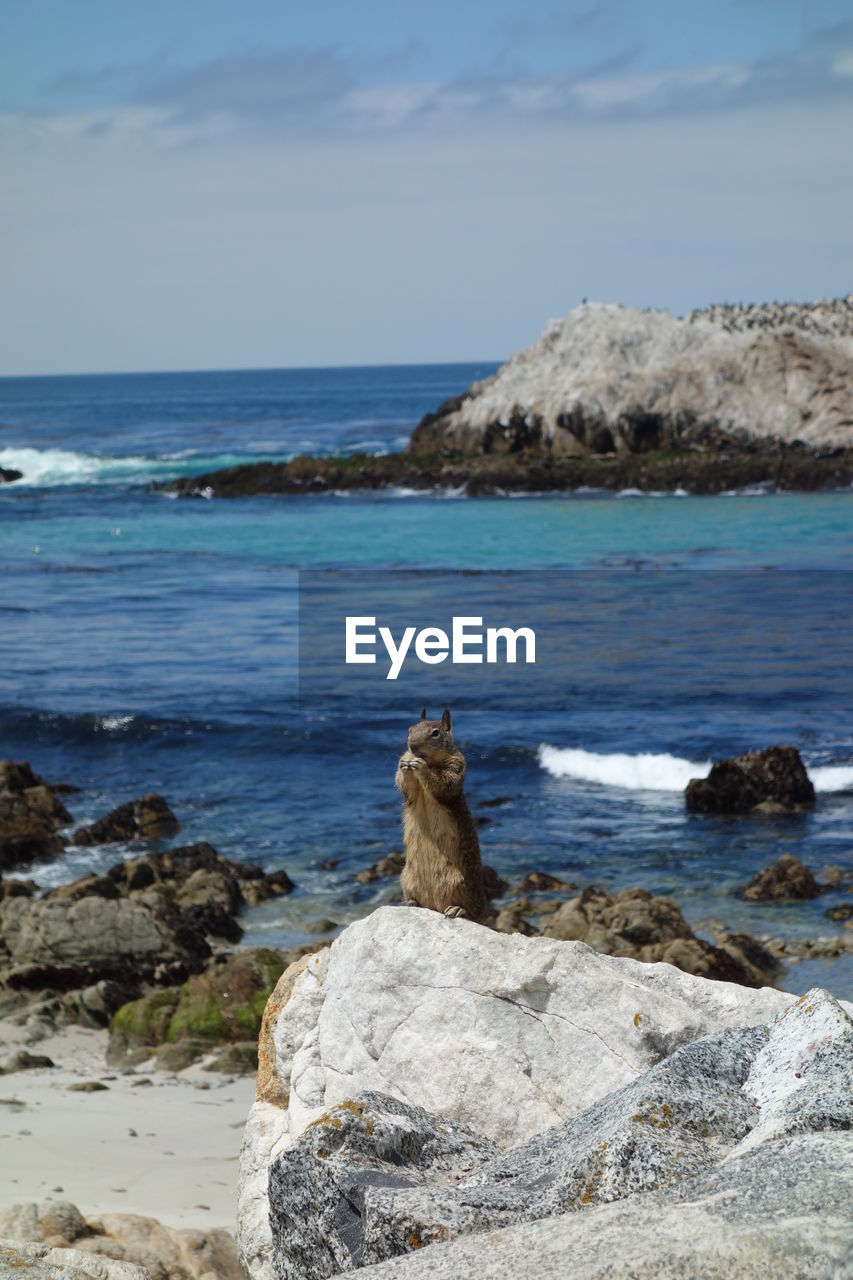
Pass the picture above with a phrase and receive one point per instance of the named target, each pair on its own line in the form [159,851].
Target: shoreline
[699,472]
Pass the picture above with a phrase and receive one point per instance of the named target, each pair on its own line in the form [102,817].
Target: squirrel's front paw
[456,913]
[409,761]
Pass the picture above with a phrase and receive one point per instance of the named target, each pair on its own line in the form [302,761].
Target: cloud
[300,94]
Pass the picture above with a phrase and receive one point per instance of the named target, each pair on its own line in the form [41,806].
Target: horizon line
[285,368]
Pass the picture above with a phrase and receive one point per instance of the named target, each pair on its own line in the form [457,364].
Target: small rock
[24,1061]
[88,1086]
[786,878]
[147,818]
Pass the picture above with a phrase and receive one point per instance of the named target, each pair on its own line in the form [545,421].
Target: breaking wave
[648,772]
[644,772]
[46,468]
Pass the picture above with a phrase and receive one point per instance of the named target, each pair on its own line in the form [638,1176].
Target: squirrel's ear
[445,719]
[423,713]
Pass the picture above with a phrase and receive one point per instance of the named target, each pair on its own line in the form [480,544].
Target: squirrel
[443,870]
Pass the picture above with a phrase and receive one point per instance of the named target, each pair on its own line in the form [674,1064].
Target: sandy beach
[151,1143]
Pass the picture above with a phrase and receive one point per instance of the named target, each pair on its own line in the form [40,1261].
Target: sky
[201,184]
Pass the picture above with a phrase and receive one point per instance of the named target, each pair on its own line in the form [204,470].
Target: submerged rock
[147,818]
[787,878]
[771,781]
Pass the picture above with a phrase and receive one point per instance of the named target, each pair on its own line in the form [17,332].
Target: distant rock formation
[611,379]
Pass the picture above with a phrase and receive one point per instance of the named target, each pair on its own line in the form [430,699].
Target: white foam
[645,772]
[832,777]
[112,723]
[63,466]
[648,772]
[50,467]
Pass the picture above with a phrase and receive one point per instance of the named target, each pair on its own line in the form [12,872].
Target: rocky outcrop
[142,1246]
[718,466]
[771,781]
[147,818]
[222,1005]
[94,944]
[635,924]
[8,474]
[374,1179]
[609,378]
[787,878]
[503,1036]
[31,815]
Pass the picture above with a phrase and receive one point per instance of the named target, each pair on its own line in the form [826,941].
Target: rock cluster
[771,781]
[145,1248]
[635,924]
[82,951]
[473,1085]
[609,378]
[148,919]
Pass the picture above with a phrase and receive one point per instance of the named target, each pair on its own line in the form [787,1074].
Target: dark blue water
[148,643]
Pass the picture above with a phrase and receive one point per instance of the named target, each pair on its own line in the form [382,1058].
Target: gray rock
[322,1192]
[20,1260]
[374,1179]
[783,1212]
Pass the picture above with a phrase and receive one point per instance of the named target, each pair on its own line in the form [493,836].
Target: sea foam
[645,772]
[649,772]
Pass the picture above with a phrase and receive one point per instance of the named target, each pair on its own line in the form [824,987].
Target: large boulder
[31,815]
[146,818]
[771,781]
[374,1179]
[500,1034]
[633,923]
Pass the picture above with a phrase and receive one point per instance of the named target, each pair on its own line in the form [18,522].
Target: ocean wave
[831,777]
[649,772]
[47,468]
[644,772]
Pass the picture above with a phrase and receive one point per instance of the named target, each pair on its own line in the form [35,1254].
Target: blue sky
[202,184]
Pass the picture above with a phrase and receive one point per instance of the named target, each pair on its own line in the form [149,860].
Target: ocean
[149,643]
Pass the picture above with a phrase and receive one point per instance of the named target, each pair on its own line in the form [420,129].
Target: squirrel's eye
[434,733]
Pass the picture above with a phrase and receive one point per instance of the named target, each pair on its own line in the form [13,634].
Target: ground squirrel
[443,869]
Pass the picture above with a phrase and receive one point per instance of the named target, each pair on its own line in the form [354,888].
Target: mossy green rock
[222,1005]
